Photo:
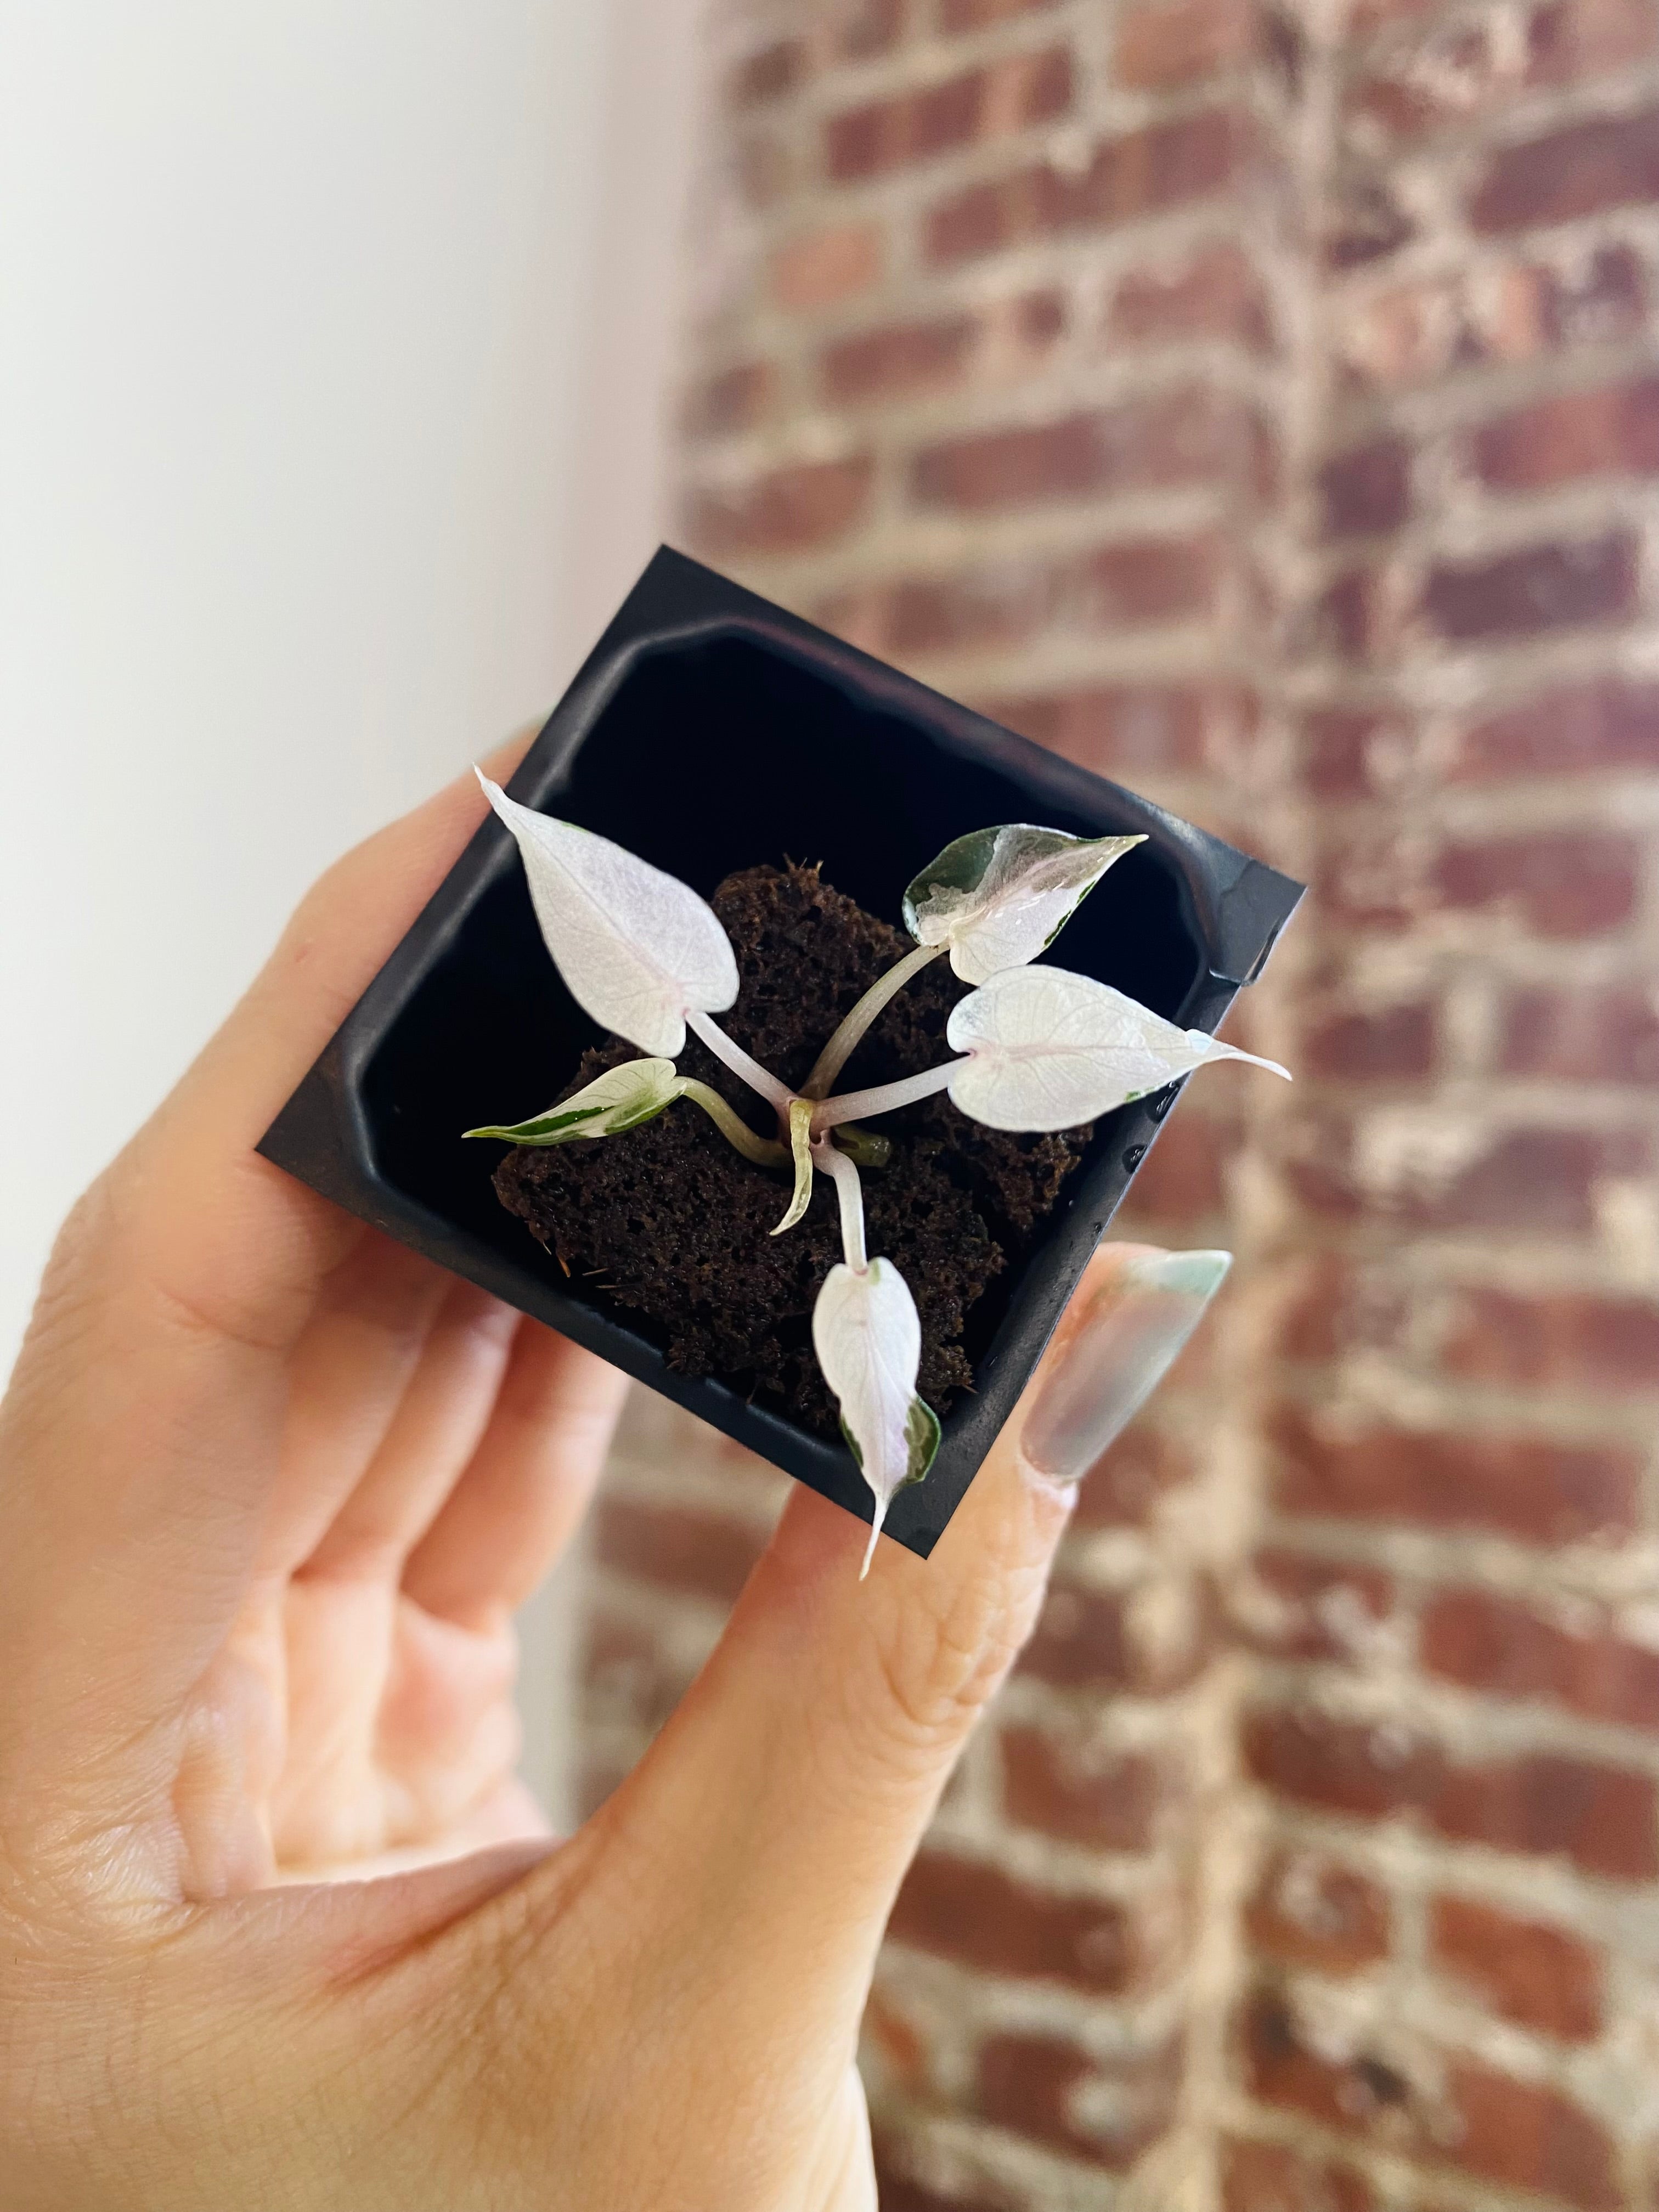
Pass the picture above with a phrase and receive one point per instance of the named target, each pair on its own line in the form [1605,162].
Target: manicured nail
[1121,1352]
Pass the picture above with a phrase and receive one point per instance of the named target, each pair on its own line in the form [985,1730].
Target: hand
[270,1487]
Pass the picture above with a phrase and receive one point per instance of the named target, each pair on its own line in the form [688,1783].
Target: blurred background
[1256,400]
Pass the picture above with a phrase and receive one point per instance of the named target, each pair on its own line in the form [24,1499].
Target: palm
[436,1450]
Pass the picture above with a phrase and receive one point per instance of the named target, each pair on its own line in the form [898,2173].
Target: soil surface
[669,1220]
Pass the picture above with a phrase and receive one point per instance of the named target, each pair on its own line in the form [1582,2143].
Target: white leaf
[867,1336]
[619,1099]
[1048,1049]
[998,898]
[638,948]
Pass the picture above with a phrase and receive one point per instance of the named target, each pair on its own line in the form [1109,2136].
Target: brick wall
[1261,405]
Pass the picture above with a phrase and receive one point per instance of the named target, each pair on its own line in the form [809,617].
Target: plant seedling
[1037,1048]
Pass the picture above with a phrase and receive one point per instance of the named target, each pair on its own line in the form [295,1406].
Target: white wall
[333,335]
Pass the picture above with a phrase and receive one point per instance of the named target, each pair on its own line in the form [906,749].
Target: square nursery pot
[693,736]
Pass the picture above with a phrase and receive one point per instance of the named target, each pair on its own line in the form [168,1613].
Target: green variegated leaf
[867,1336]
[619,1099]
[999,896]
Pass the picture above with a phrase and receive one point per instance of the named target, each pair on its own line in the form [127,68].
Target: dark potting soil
[669,1220]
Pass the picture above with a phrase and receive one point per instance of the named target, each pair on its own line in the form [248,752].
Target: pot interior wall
[706,757]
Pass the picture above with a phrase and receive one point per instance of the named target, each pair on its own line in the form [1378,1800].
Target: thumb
[773,1820]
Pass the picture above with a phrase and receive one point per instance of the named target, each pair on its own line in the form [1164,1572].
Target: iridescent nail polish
[1121,1350]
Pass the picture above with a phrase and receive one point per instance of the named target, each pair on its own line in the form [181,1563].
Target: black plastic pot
[709,731]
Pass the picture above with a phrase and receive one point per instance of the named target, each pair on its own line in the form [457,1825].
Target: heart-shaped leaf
[998,898]
[619,1099]
[638,948]
[1048,1049]
[867,1336]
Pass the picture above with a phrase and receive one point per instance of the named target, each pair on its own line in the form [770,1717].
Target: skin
[278,1924]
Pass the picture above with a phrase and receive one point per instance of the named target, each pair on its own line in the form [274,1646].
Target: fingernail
[1121,1352]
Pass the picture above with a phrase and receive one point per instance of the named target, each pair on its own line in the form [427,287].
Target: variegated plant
[1037,1049]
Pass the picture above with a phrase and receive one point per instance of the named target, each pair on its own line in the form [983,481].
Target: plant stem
[732,1125]
[774,1093]
[850,1192]
[845,1041]
[858,1105]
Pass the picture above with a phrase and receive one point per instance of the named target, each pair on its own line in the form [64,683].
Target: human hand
[270,1487]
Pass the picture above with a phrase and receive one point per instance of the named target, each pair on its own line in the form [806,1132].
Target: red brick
[1453,72]
[1005,97]
[1538,1977]
[1343,1766]
[1500,1646]
[820,268]
[736,399]
[1215,293]
[676,1546]
[1365,222]
[1186,436]
[1311,1911]
[1560,1339]
[1111,1802]
[901,2192]
[1329,1308]
[1123,1488]
[1349,617]
[1530,2137]
[1601,1817]
[1607,162]
[1152,580]
[1596,300]
[1286,2071]
[769,75]
[1108,2111]
[956,16]
[1183,1182]
[1540,587]
[1368,489]
[1614,427]
[982,1917]
[1162,43]
[899,359]
[1579,729]
[1167,164]
[789,511]
[986,607]
[1259,2177]
[1568,40]
[1339,748]
[1610,1034]
[1084,1641]
[1130,729]
[1562,883]
[1395,1043]
[1316,1608]
[860,28]
[1525,1487]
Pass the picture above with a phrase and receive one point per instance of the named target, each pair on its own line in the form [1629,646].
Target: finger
[138,1441]
[348,1374]
[521,1501]
[771,1824]
[439,1422]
